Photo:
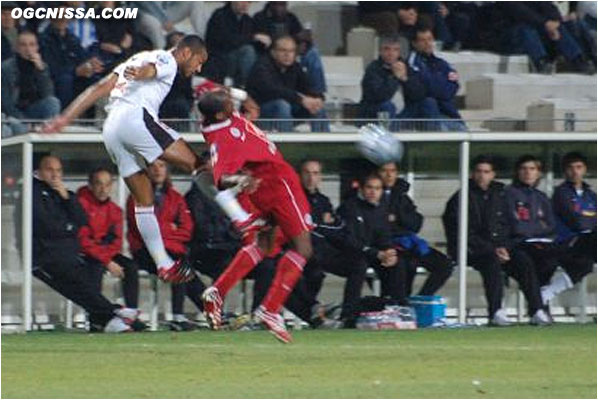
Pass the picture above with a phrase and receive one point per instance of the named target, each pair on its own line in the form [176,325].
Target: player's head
[284,50]
[370,188]
[528,170]
[389,173]
[215,106]
[158,173]
[483,171]
[311,174]
[100,183]
[190,54]
[49,169]
[575,166]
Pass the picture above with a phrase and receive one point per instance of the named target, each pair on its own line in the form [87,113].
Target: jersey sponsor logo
[237,134]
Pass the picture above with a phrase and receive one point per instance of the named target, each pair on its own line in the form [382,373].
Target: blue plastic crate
[428,309]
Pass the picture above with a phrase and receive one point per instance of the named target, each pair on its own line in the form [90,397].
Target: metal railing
[463,139]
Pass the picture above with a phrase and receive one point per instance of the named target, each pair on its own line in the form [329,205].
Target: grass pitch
[526,362]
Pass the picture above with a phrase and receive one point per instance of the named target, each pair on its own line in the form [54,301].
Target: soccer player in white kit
[134,137]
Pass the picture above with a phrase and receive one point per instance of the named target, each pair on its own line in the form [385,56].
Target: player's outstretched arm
[145,72]
[82,103]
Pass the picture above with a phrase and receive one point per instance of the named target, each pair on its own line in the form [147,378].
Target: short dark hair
[193,42]
[211,103]
[282,37]
[389,39]
[96,171]
[366,178]
[483,159]
[308,160]
[573,157]
[527,158]
[43,156]
[422,27]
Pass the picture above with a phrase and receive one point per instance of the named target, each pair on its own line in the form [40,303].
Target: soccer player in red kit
[240,150]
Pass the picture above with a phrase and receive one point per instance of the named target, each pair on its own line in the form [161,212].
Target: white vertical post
[463,227]
[27,234]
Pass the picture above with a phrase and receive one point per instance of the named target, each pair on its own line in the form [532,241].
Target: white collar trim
[215,127]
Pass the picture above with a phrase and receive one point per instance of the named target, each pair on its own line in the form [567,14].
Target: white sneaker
[117,325]
[500,318]
[129,315]
[540,318]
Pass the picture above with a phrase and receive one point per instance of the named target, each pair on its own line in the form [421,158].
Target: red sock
[245,260]
[288,272]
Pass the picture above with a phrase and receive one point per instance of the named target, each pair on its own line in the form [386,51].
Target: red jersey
[237,144]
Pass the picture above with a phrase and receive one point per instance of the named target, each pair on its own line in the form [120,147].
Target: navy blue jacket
[440,80]
[575,213]
[227,32]
[529,213]
[380,85]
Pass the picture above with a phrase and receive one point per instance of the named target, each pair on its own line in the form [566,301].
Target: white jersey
[147,94]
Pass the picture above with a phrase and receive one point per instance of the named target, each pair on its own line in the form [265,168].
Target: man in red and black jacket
[176,226]
[100,240]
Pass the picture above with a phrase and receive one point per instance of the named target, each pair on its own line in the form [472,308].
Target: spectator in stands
[232,39]
[441,82]
[275,20]
[574,203]
[383,79]
[67,60]
[176,226]
[57,218]
[101,239]
[9,30]
[582,28]
[487,235]
[405,223]
[532,228]
[179,101]
[85,29]
[381,16]
[28,91]
[408,19]
[536,29]
[281,88]
[156,18]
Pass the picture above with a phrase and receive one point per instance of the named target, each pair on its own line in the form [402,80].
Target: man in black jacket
[57,217]
[28,88]
[487,235]
[386,76]
[282,89]
[406,222]
[231,38]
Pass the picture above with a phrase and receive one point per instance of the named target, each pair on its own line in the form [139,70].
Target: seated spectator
[405,222]
[536,29]
[28,89]
[157,18]
[380,15]
[574,203]
[9,30]
[179,101]
[101,240]
[582,28]
[176,226]
[68,63]
[85,29]
[383,79]
[408,19]
[532,228]
[231,39]
[275,20]
[441,82]
[57,218]
[281,88]
[487,238]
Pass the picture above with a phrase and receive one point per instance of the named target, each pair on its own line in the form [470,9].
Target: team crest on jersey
[162,59]
[237,134]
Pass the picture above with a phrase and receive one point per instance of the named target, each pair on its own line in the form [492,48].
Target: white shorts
[135,139]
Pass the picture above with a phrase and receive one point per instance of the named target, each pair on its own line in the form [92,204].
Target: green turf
[523,362]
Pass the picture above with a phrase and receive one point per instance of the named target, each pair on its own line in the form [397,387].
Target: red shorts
[280,198]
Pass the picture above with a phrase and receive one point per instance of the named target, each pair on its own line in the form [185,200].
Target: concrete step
[504,94]
[343,78]
[557,114]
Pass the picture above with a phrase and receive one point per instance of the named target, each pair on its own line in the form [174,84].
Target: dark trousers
[94,271]
[193,289]
[68,278]
[491,270]
[439,268]
[579,256]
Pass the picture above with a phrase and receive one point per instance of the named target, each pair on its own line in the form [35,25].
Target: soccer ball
[378,145]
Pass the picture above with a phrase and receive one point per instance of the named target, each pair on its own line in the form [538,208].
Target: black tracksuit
[489,230]
[406,220]
[56,250]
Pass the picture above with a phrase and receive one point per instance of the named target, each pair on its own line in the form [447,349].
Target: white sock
[560,282]
[148,226]
[228,203]
[179,318]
